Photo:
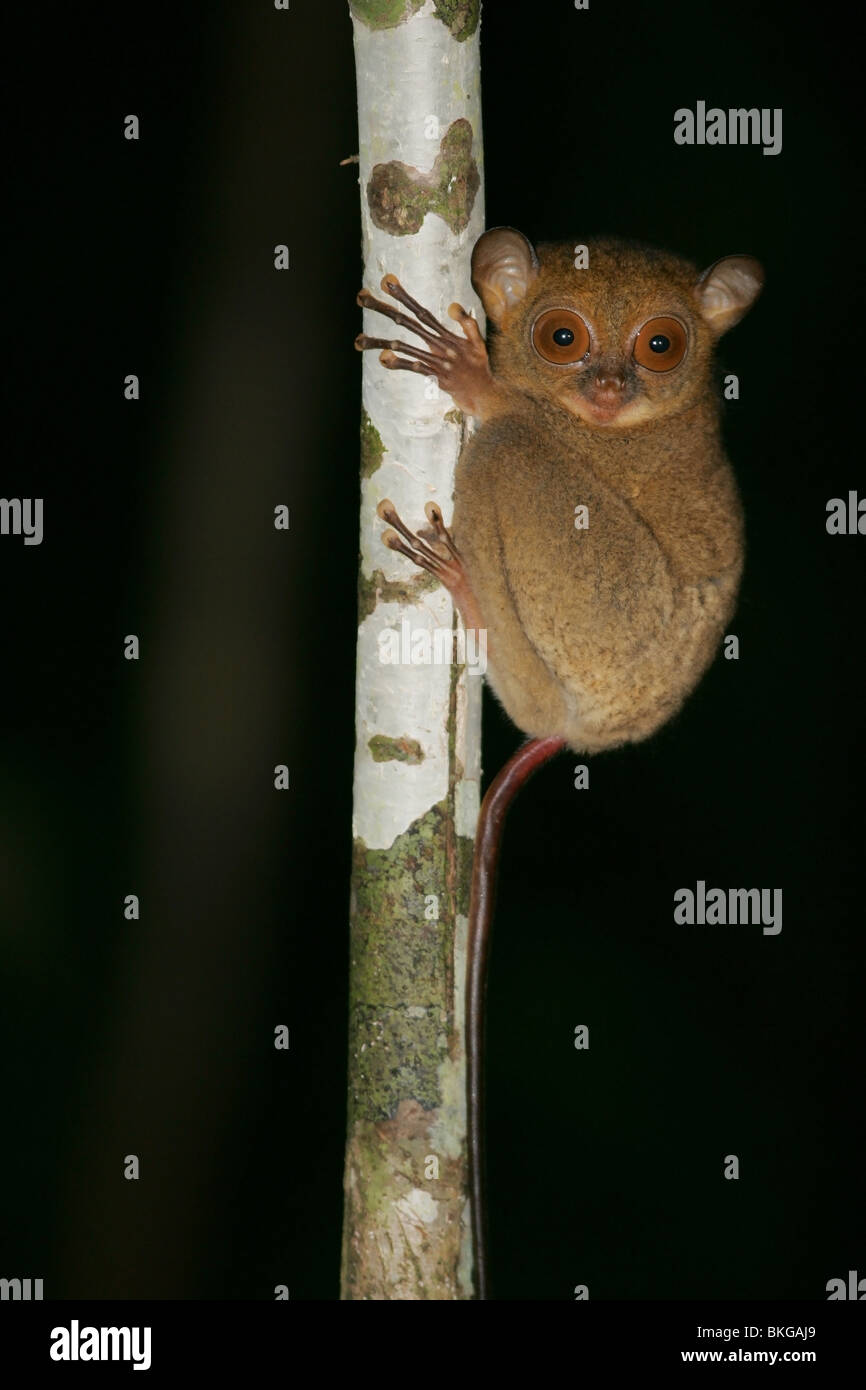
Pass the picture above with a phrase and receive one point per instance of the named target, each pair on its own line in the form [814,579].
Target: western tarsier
[597,394]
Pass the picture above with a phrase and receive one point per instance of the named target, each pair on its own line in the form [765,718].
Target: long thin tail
[494,808]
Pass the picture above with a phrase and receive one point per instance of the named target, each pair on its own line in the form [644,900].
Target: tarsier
[597,394]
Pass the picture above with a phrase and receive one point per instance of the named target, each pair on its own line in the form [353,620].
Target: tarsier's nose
[610,379]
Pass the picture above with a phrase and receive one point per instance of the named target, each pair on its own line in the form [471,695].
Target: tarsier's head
[627,339]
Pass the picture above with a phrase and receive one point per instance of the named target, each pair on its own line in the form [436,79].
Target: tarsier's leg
[433,550]
[459,364]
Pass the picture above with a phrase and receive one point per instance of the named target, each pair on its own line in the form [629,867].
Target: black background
[155,777]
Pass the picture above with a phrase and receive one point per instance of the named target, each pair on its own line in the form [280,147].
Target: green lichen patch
[384,14]
[401,750]
[460,17]
[399,196]
[459,179]
[375,588]
[372,448]
[465,846]
[401,991]
[400,960]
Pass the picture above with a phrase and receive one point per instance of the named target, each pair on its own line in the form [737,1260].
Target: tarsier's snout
[605,394]
[607,390]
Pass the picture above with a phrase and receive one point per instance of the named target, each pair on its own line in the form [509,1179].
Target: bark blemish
[399,196]
[372,448]
[460,17]
[375,588]
[401,750]
[384,14]
[418,1222]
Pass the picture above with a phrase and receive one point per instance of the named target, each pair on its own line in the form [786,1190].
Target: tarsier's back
[597,516]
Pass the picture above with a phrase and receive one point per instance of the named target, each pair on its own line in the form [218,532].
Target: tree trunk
[417,761]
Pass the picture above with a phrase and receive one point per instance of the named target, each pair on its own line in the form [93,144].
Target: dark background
[155,777]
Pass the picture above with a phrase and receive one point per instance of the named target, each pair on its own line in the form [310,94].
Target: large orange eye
[661,345]
[560,336]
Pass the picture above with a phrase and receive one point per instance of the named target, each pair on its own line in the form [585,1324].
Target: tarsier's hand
[459,364]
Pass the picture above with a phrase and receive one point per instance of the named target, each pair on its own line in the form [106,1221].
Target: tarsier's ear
[504,265]
[728,289]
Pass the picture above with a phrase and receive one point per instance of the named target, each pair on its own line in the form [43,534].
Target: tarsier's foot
[431,547]
[459,365]
[433,550]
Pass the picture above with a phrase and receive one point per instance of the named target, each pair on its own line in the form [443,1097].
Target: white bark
[412,79]
[406,1235]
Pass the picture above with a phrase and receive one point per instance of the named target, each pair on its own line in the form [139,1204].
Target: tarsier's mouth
[604,412]
[601,407]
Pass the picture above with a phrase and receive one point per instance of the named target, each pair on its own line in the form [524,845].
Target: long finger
[467,323]
[391,285]
[367,301]
[398,364]
[363,341]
